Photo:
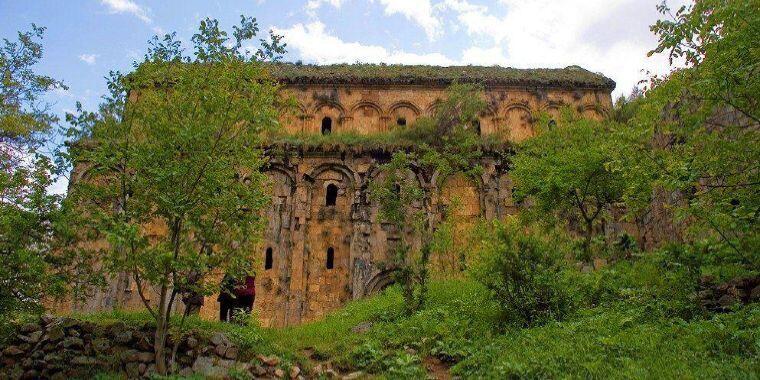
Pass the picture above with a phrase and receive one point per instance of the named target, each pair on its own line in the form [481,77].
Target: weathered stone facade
[306,226]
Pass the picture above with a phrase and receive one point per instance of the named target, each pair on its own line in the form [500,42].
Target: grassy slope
[634,327]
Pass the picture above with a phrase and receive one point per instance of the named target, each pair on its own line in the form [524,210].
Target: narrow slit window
[330,262]
[326,125]
[331,195]
[268,259]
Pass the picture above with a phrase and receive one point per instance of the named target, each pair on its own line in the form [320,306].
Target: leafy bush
[526,274]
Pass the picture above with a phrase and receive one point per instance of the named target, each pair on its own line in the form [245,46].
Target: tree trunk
[159,345]
[587,240]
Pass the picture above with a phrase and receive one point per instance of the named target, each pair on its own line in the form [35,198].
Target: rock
[47,319]
[145,357]
[35,336]
[279,373]
[27,328]
[330,373]
[51,358]
[202,363]
[129,356]
[83,360]
[55,333]
[271,361]
[754,294]
[31,374]
[727,300]
[353,375]
[204,366]
[12,351]
[133,370]
[362,328]
[143,343]
[587,268]
[220,350]
[410,351]
[186,372]
[101,345]
[142,368]
[258,370]
[72,342]
[294,372]
[599,263]
[231,353]
[192,342]
[220,339]
[317,370]
[123,337]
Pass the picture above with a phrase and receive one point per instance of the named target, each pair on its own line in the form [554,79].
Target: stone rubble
[65,348]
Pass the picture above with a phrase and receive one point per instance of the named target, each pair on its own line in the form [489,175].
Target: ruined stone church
[323,245]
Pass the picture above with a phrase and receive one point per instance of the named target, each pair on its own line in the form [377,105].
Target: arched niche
[403,114]
[291,119]
[519,122]
[380,282]
[366,118]
[460,195]
[591,112]
[334,112]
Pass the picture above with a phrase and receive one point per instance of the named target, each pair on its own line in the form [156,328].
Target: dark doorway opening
[401,121]
[331,195]
[268,259]
[326,125]
[330,263]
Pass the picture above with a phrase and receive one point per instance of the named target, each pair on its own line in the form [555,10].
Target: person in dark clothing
[245,292]
[191,297]
[227,299]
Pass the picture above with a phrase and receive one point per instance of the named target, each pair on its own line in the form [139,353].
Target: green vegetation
[530,304]
[572,76]
[179,160]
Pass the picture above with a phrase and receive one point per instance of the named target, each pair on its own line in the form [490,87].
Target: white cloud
[550,33]
[313,5]
[127,6]
[419,11]
[315,44]
[88,58]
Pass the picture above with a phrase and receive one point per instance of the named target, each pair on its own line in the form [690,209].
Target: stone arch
[379,282]
[431,109]
[403,113]
[351,175]
[332,110]
[366,117]
[592,111]
[292,118]
[489,119]
[468,189]
[518,121]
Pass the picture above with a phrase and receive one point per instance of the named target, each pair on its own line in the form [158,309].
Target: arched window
[331,195]
[268,259]
[330,262]
[401,121]
[476,126]
[326,125]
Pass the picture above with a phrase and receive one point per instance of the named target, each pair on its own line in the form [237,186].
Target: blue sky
[87,38]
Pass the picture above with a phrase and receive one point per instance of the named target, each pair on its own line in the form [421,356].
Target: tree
[569,172]
[27,212]
[174,150]
[700,122]
[447,144]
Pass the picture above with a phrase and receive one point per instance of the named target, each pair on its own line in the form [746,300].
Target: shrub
[526,273]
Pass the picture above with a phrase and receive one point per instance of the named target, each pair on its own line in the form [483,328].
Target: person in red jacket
[245,294]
